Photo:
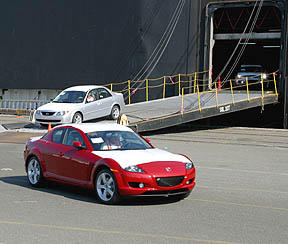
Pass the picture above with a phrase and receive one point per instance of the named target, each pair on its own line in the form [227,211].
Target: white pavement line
[6,169]
[244,171]
[24,201]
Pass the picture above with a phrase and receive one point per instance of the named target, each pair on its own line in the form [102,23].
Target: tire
[77,118]
[34,172]
[115,112]
[106,187]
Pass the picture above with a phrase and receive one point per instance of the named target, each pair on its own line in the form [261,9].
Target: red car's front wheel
[106,187]
[34,172]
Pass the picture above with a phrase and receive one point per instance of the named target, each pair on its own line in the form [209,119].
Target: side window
[71,136]
[103,93]
[58,134]
[92,96]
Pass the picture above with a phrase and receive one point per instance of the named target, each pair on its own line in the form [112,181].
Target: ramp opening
[244,33]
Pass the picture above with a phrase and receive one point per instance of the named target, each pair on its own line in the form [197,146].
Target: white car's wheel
[34,172]
[106,187]
[115,112]
[77,118]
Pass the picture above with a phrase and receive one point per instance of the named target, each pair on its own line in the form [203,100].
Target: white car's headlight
[264,76]
[38,112]
[61,113]
[239,76]
[189,165]
[134,169]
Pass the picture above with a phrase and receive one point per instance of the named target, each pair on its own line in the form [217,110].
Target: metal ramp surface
[162,113]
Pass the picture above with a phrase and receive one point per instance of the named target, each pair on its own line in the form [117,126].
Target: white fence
[21,104]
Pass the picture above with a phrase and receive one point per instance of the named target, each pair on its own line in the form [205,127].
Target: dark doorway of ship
[244,34]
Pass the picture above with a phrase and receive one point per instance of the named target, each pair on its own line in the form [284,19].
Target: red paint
[77,166]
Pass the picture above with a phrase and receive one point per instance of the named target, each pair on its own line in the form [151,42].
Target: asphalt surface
[241,196]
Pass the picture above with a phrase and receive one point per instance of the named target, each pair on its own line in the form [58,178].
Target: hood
[59,106]
[164,169]
[127,158]
[35,138]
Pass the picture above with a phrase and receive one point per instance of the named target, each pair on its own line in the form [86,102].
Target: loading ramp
[163,113]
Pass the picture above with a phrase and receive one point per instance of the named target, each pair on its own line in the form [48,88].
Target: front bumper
[251,80]
[128,184]
[53,119]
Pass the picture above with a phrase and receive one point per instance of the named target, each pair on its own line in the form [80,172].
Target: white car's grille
[46,113]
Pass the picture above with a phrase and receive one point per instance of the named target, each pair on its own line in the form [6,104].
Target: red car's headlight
[189,165]
[134,169]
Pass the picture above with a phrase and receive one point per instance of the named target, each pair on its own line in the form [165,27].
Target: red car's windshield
[116,140]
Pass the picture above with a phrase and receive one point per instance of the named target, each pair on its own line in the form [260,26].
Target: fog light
[141,185]
[189,181]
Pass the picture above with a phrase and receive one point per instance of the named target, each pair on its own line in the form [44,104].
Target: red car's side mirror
[77,144]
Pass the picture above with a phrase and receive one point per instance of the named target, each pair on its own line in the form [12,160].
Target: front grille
[49,120]
[169,181]
[46,113]
[165,193]
[252,77]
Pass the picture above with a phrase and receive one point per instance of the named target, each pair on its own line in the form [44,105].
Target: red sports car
[109,158]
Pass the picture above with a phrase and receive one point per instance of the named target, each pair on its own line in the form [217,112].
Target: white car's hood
[127,158]
[59,106]
[35,138]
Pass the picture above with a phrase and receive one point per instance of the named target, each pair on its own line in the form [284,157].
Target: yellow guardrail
[193,81]
[247,86]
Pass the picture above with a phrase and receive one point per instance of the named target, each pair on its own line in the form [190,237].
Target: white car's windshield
[116,140]
[70,97]
[251,69]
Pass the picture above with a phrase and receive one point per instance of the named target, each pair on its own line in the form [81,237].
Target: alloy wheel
[115,113]
[77,118]
[105,186]
[34,172]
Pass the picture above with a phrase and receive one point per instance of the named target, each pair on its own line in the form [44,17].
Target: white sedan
[80,103]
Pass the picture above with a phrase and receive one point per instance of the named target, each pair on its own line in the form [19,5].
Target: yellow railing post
[195,81]
[247,85]
[216,97]
[147,86]
[164,85]
[262,86]
[231,87]
[111,86]
[179,79]
[275,85]
[182,104]
[199,102]
[129,92]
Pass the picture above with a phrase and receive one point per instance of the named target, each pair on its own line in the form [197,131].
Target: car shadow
[82,194]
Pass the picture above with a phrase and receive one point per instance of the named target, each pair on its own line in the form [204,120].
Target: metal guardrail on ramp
[168,112]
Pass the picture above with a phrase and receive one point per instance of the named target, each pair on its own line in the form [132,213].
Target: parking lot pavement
[240,197]
[9,122]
